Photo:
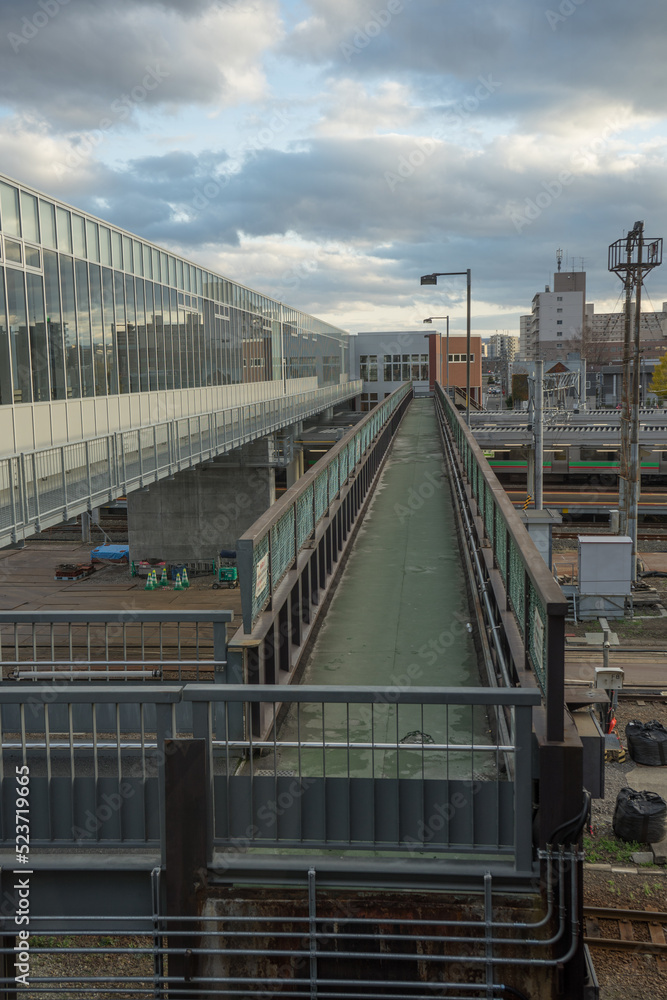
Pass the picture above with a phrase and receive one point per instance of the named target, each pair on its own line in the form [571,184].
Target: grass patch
[610,850]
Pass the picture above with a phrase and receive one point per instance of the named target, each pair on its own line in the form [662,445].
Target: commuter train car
[575,464]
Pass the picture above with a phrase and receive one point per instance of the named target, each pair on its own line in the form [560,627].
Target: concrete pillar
[295,468]
[202,510]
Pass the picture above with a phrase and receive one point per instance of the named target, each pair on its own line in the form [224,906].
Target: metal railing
[112,645]
[312,945]
[535,599]
[381,771]
[268,549]
[42,488]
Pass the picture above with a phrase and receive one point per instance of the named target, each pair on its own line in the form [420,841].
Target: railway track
[640,931]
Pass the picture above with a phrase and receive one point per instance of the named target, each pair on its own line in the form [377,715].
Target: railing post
[523,797]
[186,796]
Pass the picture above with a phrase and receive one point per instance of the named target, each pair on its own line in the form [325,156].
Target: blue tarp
[111,553]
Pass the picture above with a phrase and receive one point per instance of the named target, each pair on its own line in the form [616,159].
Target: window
[30,217]
[368,367]
[559,298]
[13,252]
[559,310]
[559,333]
[33,257]
[559,322]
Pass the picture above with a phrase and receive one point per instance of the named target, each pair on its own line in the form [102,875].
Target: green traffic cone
[149,582]
[163,579]
[178,585]
[186,582]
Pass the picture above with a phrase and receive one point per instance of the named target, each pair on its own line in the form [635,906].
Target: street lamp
[430,319]
[432,279]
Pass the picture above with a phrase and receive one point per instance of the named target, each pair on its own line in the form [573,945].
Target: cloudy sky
[329,152]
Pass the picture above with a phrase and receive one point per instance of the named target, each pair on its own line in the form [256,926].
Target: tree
[595,347]
[659,381]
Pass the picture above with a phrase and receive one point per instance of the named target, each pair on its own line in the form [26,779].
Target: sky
[329,152]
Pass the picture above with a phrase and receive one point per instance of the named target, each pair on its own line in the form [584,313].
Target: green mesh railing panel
[357,448]
[351,455]
[489,511]
[517,584]
[343,466]
[537,637]
[261,581]
[333,479]
[282,547]
[501,544]
[321,495]
[305,522]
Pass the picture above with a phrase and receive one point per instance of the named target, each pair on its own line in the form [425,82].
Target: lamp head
[429,279]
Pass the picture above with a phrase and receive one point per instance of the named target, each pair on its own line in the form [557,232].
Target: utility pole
[538,418]
[626,259]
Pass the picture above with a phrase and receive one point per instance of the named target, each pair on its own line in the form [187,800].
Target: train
[575,465]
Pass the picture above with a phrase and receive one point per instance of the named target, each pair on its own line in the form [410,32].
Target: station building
[89,310]
[384,359]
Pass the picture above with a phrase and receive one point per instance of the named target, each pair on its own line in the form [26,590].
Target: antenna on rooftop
[559,257]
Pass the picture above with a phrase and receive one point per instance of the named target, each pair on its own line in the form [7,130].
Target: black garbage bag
[640,816]
[647,742]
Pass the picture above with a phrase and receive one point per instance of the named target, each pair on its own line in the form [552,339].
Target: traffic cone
[186,582]
[164,582]
[178,585]
[149,581]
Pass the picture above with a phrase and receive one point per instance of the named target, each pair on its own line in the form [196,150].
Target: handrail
[269,547]
[536,600]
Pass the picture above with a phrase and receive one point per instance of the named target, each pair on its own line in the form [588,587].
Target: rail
[385,772]
[42,488]
[534,598]
[268,549]
[112,645]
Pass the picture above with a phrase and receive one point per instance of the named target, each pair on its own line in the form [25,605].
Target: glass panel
[127,253]
[172,271]
[150,337]
[9,210]
[79,235]
[97,330]
[138,259]
[175,347]
[142,340]
[18,328]
[132,341]
[109,331]
[158,326]
[47,216]
[121,334]
[105,246]
[156,265]
[93,240]
[83,327]
[54,325]
[179,274]
[148,261]
[6,395]
[38,348]
[30,217]
[13,251]
[117,250]
[69,327]
[33,257]
[64,230]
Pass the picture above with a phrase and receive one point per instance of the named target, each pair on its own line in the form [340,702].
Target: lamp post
[430,319]
[432,279]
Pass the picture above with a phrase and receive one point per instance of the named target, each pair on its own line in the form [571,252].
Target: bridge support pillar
[202,510]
